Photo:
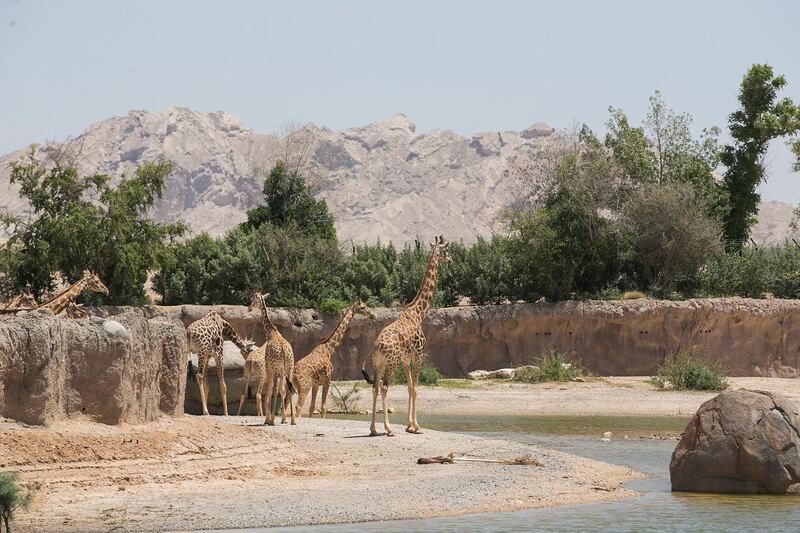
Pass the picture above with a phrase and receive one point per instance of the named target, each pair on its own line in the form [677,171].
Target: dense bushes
[684,371]
[550,366]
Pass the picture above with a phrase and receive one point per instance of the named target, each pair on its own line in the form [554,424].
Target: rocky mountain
[383,180]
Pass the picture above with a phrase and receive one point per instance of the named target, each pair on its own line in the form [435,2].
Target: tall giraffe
[206,336]
[278,363]
[89,282]
[401,344]
[316,368]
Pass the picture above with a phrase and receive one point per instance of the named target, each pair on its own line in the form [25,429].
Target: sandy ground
[622,396]
[214,472]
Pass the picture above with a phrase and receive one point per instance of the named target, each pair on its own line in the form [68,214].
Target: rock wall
[52,368]
[746,337]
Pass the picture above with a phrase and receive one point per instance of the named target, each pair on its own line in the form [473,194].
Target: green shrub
[684,371]
[12,497]
[551,366]
[633,295]
[332,306]
[428,375]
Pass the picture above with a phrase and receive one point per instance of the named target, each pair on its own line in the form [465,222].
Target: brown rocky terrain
[383,181]
[746,337]
[129,369]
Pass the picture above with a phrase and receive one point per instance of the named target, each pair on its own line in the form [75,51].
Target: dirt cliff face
[746,337]
[128,370]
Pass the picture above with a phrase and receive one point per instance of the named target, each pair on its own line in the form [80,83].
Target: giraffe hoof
[410,429]
[373,433]
[390,433]
[417,430]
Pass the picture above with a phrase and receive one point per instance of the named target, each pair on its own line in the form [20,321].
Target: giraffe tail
[366,374]
[290,386]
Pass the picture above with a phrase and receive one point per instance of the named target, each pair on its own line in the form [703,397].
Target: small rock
[115,329]
[502,373]
[97,319]
[626,437]
[578,379]
[608,435]
[478,374]
[22,313]
[604,439]
[390,410]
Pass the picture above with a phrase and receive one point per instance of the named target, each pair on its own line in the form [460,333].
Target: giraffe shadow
[367,436]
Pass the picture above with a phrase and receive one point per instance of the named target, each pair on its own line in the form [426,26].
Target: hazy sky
[464,66]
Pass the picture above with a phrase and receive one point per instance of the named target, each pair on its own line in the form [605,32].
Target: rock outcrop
[130,369]
[383,180]
[740,441]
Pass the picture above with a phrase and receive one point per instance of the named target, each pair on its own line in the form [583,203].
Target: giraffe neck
[269,327]
[335,339]
[60,302]
[418,307]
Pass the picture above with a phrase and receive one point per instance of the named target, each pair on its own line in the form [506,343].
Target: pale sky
[459,65]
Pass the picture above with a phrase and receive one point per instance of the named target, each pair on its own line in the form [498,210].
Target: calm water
[658,510]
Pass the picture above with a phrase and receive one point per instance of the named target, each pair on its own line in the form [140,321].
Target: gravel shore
[193,472]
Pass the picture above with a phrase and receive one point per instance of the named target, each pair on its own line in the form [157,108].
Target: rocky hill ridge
[383,180]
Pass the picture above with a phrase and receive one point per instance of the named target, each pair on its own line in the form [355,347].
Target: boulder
[741,441]
[115,329]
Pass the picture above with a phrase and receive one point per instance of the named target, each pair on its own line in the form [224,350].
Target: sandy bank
[189,473]
[616,396]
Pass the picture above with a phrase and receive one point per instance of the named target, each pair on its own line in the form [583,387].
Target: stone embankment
[127,370]
[621,338]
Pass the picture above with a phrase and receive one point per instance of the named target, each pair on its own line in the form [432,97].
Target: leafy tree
[572,243]
[83,222]
[760,118]
[289,201]
[663,150]
[12,497]
[670,233]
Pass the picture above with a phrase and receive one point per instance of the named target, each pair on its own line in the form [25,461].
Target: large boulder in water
[741,441]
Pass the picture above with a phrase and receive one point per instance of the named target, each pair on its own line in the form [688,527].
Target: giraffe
[24,301]
[316,369]
[255,365]
[205,337]
[278,364]
[89,282]
[401,344]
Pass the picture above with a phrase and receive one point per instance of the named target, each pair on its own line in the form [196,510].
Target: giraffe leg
[302,391]
[410,382]
[413,391]
[384,395]
[284,391]
[375,384]
[259,389]
[248,367]
[292,417]
[314,388]
[270,420]
[202,366]
[223,389]
[324,398]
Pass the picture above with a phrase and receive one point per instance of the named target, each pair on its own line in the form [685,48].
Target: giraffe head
[93,283]
[440,248]
[249,346]
[256,302]
[360,308]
